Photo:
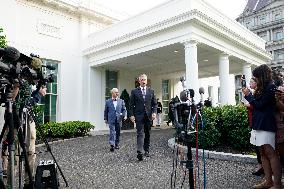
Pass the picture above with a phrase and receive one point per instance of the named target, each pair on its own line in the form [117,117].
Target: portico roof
[153,41]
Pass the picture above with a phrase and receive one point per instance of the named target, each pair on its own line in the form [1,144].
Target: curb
[216,155]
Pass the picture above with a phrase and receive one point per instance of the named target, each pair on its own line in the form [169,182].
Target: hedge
[224,126]
[65,129]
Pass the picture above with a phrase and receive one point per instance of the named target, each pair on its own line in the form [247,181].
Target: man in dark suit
[114,112]
[143,110]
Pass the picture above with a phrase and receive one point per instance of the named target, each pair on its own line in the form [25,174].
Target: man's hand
[132,118]
[153,116]
[42,91]
[245,91]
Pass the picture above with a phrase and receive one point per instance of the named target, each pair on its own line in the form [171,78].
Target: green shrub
[224,126]
[235,128]
[66,129]
[209,135]
[3,40]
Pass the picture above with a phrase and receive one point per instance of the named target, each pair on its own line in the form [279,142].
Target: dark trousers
[145,124]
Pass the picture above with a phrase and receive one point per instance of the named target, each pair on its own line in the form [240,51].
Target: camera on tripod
[186,113]
[17,73]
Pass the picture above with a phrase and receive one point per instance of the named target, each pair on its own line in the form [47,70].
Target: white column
[191,66]
[268,35]
[97,89]
[247,72]
[224,79]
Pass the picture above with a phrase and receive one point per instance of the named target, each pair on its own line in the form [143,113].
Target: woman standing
[264,126]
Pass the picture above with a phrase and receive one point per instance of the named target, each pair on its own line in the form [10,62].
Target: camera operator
[17,95]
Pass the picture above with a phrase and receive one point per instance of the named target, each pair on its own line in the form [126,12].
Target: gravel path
[88,163]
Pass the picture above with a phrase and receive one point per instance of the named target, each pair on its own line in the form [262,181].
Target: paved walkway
[88,163]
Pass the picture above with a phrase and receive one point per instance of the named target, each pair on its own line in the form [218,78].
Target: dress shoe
[140,156]
[116,147]
[111,148]
[146,154]
[259,172]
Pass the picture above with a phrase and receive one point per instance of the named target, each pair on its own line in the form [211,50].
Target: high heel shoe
[259,172]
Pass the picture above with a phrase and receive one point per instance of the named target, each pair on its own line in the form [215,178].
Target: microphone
[183,96]
[10,54]
[186,94]
[201,92]
[36,63]
[182,79]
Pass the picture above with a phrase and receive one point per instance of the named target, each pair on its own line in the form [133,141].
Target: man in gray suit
[114,112]
[143,110]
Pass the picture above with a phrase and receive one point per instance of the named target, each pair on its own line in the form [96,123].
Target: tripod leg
[190,166]
[48,147]
[22,144]
[11,146]
[31,137]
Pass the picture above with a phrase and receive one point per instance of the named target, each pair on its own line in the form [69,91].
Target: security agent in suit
[114,112]
[143,110]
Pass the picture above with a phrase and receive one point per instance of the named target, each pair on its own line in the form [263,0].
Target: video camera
[16,66]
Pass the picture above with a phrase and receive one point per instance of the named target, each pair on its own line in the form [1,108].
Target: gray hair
[113,90]
[142,75]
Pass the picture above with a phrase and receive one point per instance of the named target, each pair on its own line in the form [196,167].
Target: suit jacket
[263,112]
[111,114]
[139,106]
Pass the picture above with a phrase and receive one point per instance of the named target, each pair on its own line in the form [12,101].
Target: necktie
[143,92]
[114,99]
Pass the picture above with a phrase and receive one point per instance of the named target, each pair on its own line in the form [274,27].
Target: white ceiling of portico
[165,61]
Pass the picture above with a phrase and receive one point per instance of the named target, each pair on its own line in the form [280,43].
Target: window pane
[49,88]
[47,108]
[165,104]
[54,88]
[165,98]
[53,105]
[50,99]
[111,82]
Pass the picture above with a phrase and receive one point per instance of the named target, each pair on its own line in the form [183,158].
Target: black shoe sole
[111,148]
[140,157]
